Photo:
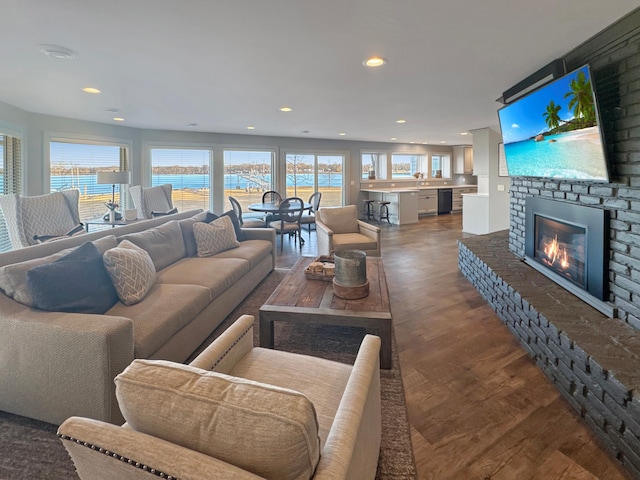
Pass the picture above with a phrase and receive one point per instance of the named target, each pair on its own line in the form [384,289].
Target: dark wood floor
[478,406]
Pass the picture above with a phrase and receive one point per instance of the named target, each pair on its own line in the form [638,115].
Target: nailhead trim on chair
[133,463]
[231,347]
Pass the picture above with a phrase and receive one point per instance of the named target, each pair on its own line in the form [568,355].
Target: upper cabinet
[463,160]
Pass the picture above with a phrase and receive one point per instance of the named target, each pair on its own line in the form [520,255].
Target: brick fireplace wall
[615,67]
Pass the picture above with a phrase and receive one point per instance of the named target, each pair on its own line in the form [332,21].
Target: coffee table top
[296,291]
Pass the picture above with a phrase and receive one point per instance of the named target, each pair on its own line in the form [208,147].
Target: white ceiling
[227,64]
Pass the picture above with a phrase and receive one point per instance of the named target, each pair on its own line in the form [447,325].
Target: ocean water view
[580,150]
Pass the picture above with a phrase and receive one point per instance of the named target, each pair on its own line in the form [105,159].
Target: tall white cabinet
[463,160]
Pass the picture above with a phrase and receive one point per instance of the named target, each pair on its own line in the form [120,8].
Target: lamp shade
[113,178]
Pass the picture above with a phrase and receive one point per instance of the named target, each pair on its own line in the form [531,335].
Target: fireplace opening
[568,243]
[561,247]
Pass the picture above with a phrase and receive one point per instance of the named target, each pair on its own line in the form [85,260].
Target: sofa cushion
[164,311]
[163,243]
[215,237]
[216,274]
[264,429]
[131,271]
[76,282]
[350,241]
[254,251]
[340,219]
[13,277]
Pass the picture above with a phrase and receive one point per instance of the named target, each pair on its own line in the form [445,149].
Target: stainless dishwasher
[445,202]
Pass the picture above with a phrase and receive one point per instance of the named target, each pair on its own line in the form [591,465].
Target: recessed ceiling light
[425,143]
[464,133]
[118,119]
[91,90]
[251,127]
[401,121]
[412,142]
[58,52]
[342,134]
[443,141]
[286,109]
[394,138]
[375,61]
[192,124]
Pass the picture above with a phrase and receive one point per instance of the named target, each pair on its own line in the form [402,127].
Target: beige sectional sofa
[238,412]
[54,365]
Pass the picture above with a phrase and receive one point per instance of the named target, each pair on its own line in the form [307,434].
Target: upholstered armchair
[152,201]
[238,412]
[28,218]
[338,228]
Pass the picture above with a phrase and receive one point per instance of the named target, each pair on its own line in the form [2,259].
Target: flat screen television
[554,132]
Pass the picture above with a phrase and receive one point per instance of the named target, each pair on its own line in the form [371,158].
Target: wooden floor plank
[479,407]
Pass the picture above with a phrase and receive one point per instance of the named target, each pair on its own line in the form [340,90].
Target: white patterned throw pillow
[131,270]
[215,237]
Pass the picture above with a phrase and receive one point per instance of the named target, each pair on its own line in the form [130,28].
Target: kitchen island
[407,203]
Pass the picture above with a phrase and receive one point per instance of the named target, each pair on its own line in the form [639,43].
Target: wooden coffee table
[301,300]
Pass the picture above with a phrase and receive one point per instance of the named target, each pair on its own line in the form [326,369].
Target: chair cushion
[215,237]
[163,243]
[76,282]
[267,430]
[350,241]
[340,219]
[157,199]
[131,270]
[47,214]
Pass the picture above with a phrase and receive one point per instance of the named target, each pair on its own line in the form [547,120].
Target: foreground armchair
[238,412]
[338,228]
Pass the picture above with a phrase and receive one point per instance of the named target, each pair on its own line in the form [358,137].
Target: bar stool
[367,210]
[383,213]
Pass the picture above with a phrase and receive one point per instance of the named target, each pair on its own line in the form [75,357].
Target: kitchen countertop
[412,189]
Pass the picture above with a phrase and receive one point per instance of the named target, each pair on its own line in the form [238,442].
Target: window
[441,166]
[373,165]
[308,173]
[74,164]
[187,170]
[247,175]
[11,172]
[405,165]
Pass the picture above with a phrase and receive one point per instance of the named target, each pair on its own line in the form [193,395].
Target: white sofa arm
[325,238]
[353,444]
[55,365]
[229,348]
[103,451]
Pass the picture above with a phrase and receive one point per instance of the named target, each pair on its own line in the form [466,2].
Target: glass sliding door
[247,175]
[188,171]
[307,173]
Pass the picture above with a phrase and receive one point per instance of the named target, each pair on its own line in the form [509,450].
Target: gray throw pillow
[75,283]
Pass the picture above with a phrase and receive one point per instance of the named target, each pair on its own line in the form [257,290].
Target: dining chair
[250,222]
[309,219]
[290,213]
[271,196]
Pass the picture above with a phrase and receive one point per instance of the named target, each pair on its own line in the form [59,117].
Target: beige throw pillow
[215,237]
[267,430]
[131,270]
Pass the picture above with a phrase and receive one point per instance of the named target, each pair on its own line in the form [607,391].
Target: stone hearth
[593,360]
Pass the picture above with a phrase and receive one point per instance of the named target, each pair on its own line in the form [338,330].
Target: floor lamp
[114,178]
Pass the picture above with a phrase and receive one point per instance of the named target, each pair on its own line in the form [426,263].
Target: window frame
[317,153]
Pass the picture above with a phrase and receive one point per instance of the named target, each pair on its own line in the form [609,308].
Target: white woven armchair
[338,228]
[27,218]
[151,201]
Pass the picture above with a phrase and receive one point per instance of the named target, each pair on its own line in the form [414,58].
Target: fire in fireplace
[561,248]
[569,244]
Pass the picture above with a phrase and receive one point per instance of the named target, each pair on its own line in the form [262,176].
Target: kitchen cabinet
[428,202]
[457,197]
[463,160]
[403,208]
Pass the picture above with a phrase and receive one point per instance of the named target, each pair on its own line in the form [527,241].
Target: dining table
[273,207]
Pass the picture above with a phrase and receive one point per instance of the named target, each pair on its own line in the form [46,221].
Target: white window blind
[187,170]
[75,165]
[11,153]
